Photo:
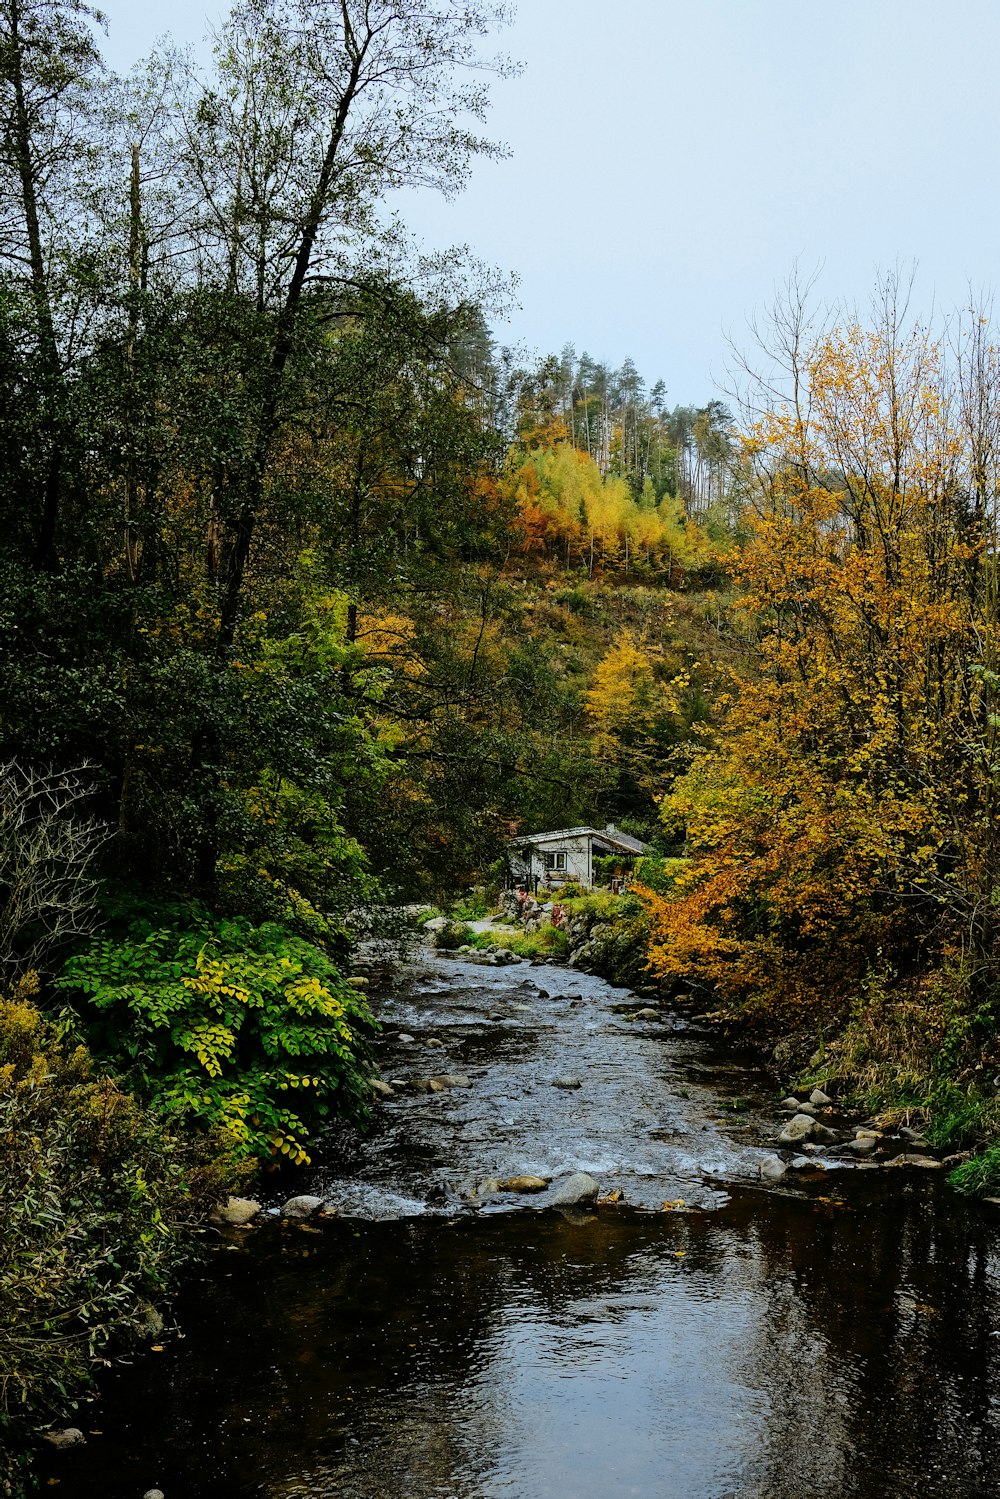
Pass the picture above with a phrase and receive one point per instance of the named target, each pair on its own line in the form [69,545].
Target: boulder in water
[524,1184]
[503,958]
[575,1190]
[235,1211]
[70,1436]
[566,1082]
[301,1207]
[772,1168]
[819,1098]
[802,1127]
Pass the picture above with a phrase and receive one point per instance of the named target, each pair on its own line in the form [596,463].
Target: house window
[555,861]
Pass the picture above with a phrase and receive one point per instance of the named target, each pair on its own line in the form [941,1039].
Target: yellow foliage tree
[851,803]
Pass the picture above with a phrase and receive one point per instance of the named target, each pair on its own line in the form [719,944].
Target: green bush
[95,1199]
[473,906]
[456,934]
[248,1028]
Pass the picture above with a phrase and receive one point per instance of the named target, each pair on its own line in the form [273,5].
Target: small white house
[553,858]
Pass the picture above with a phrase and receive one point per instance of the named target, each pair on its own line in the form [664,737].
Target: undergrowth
[97,1201]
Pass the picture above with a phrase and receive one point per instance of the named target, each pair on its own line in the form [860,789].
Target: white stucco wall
[578,861]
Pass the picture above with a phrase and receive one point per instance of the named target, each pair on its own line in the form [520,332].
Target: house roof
[614,840]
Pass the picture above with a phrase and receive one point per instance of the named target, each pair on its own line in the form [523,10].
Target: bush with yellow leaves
[248,1028]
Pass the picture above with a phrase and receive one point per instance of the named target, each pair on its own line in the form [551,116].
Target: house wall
[578,861]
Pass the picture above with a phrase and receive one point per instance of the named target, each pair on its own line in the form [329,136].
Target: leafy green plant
[249,1028]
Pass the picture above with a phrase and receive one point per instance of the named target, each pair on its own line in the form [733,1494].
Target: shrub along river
[444,1337]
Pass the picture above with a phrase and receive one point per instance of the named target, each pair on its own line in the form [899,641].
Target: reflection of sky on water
[780,1347]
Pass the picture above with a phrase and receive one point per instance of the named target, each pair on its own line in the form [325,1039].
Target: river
[837,1334]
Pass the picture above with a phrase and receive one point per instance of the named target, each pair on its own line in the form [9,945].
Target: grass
[979,1177]
[547,942]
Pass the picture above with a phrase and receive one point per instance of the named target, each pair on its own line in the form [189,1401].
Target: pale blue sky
[671,161]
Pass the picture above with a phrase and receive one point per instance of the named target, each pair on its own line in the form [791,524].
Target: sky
[670,164]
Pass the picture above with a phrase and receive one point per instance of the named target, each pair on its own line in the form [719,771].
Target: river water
[835,1335]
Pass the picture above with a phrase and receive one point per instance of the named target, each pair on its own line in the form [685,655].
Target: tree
[851,804]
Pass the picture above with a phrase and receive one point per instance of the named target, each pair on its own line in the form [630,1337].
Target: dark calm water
[836,1337]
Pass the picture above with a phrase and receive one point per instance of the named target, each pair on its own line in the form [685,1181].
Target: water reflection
[786,1345]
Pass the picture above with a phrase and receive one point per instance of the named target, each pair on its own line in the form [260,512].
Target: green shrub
[456,934]
[95,1199]
[248,1028]
[569,890]
[473,906]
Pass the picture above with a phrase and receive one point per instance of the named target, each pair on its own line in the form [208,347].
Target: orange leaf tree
[850,804]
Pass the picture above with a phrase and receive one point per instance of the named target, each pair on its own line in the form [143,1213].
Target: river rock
[235,1211]
[487,1187]
[861,1145]
[805,1163]
[70,1436]
[452,1080]
[432,1041]
[822,1132]
[383,1089]
[566,1082]
[436,924]
[913,1136]
[524,1184]
[578,1188]
[928,1162]
[153,1494]
[802,1127]
[301,1207]
[406,1038]
[772,1168]
[147,1321]
[789,1105]
[647,1014]
[819,1098]
[807,1108]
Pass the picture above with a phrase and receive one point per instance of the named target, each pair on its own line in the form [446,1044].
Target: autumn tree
[851,804]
